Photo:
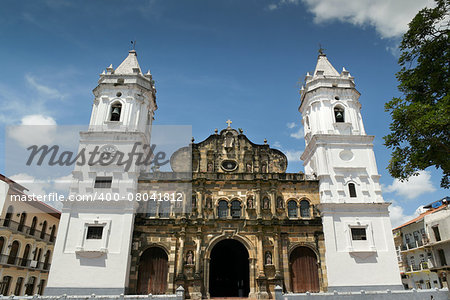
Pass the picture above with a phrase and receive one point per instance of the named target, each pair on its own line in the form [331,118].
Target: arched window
[116,110]
[307,122]
[33,226]
[339,114]
[38,257]
[222,209]
[18,288]
[8,216]
[152,207]
[30,285]
[2,243]
[352,190]
[44,229]
[304,209]
[23,218]
[46,260]
[52,234]
[41,286]
[236,209]
[164,209]
[292,209]
[4,290]
[13,253]
[26,254]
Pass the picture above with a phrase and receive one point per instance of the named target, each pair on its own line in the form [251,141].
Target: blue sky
[242,60]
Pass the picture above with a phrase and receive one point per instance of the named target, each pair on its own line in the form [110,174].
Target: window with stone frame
[359,234]
[103,182]
[304,209]
[352,190]
[94,233]
[236,209]
[222,209]
[292,209]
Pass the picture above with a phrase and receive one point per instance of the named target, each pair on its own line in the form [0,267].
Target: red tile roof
[421,216]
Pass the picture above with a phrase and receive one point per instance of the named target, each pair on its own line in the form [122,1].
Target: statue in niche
[194,200]
[264,168]
[266,203]
[280,202]
[268,258]
[210,167]
[250,201]
[249,167]
[229,140]
[190,258]
[208,202]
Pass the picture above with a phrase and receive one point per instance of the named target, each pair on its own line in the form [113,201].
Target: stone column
[273,203]
[206,263]
[258,204]
[197,254]
[276,255]
[200,203]
[285,261]
[252,269]
[260,252]
[181,255]
[196,293]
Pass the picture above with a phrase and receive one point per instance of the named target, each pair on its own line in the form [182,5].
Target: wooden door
[304,270]
[153,270]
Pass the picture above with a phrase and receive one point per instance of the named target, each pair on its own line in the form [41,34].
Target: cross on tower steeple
[229,123]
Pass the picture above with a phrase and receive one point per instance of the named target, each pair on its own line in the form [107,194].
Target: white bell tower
[360,251]
[92,251]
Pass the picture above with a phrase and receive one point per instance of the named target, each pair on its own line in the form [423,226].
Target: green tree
[419,131]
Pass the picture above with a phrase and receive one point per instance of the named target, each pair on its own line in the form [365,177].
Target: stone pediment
[229,151]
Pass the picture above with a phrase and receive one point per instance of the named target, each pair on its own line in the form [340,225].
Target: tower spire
[323,66]
[130,65]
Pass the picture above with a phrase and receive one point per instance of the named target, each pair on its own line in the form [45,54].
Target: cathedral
[245,225]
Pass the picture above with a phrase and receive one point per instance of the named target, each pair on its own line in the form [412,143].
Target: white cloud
[34,130]
[413,187]
[37,187]
[272,6]
[62,184]
[280,3]
[298,134]
[44,90]
[291,125]
[293,156]
[41,188]
[390,18]
[277,145]
[398,216]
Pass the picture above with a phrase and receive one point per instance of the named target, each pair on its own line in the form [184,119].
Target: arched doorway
[304,270]
[229,270]
[153,270]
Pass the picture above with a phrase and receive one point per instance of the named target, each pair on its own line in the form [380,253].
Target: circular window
[119,94]
[337,98]
[229,165]
[346,155]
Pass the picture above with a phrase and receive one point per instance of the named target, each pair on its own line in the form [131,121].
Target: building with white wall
[359,246]
[95,241]
[92,251]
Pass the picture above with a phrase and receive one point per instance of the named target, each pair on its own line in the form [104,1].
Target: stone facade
[251,179]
